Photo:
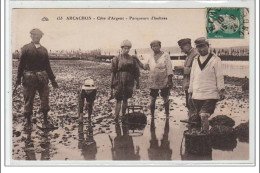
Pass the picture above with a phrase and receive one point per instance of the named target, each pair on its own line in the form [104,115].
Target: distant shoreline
[104,58]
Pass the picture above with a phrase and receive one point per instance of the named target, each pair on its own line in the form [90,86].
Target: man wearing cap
[35,71]
[185,45]
[160,75]
[206,82]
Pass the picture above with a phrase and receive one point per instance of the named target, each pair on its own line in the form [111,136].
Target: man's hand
[138,61]
[221,94]
[140,64]
[186,70]
[190,97]
[18,82]
[170,84]
[146,67]
[54,84]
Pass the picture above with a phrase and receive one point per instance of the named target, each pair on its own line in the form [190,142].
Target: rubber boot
[117,111]
[80,117]
[46,123]
[90,108]
[205,122]
[89,121]
[28,124]
[124,115]
[152,108]
[166,107]
[80,113]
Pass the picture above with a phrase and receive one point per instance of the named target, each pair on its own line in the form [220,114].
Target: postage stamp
[225,23]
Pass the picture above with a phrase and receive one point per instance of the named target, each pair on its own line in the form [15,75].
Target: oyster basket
[198,144]
[136,120]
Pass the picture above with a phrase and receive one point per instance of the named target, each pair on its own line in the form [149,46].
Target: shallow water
[161,142]
[107,140]
[230,68]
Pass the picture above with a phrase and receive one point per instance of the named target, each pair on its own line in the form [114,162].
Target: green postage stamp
[227,23]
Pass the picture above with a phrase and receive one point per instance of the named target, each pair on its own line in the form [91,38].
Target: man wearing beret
[206,82]
[185,46]
[34,71]
[160,75]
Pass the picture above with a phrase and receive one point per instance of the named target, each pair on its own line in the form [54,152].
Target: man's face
[36,37]
[203,49]
[185,48]
[125,50]
[156,47]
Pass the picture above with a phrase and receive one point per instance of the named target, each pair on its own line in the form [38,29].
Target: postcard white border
[128,4]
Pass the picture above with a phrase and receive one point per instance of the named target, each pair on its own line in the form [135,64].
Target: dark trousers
[205,106]
[29,94]
[35,82]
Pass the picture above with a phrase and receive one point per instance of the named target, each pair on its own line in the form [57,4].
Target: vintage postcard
[159,85]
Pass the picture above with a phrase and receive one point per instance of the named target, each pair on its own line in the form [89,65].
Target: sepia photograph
[161,84]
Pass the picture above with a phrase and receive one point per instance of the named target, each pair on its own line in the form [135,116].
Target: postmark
[225,23]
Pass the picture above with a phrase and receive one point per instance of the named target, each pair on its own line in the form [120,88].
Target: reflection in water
[242,131]
[236,68]
[189,156]
[162,152]
[123,148]
[224,143]
[197,146]
[230,68]
[45,145]
[242,138]
[136,120]
[88,146]
[29,147]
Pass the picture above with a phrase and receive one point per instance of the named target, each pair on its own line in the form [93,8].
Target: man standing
[160,75]
[206,82]
[35,71]
[185,46]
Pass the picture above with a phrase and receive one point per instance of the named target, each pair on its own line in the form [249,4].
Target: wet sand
[161,139]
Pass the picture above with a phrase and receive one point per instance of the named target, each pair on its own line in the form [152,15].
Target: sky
[108,34]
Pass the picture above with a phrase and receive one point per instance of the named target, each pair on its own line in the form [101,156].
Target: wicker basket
[199,144]
[136,119]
